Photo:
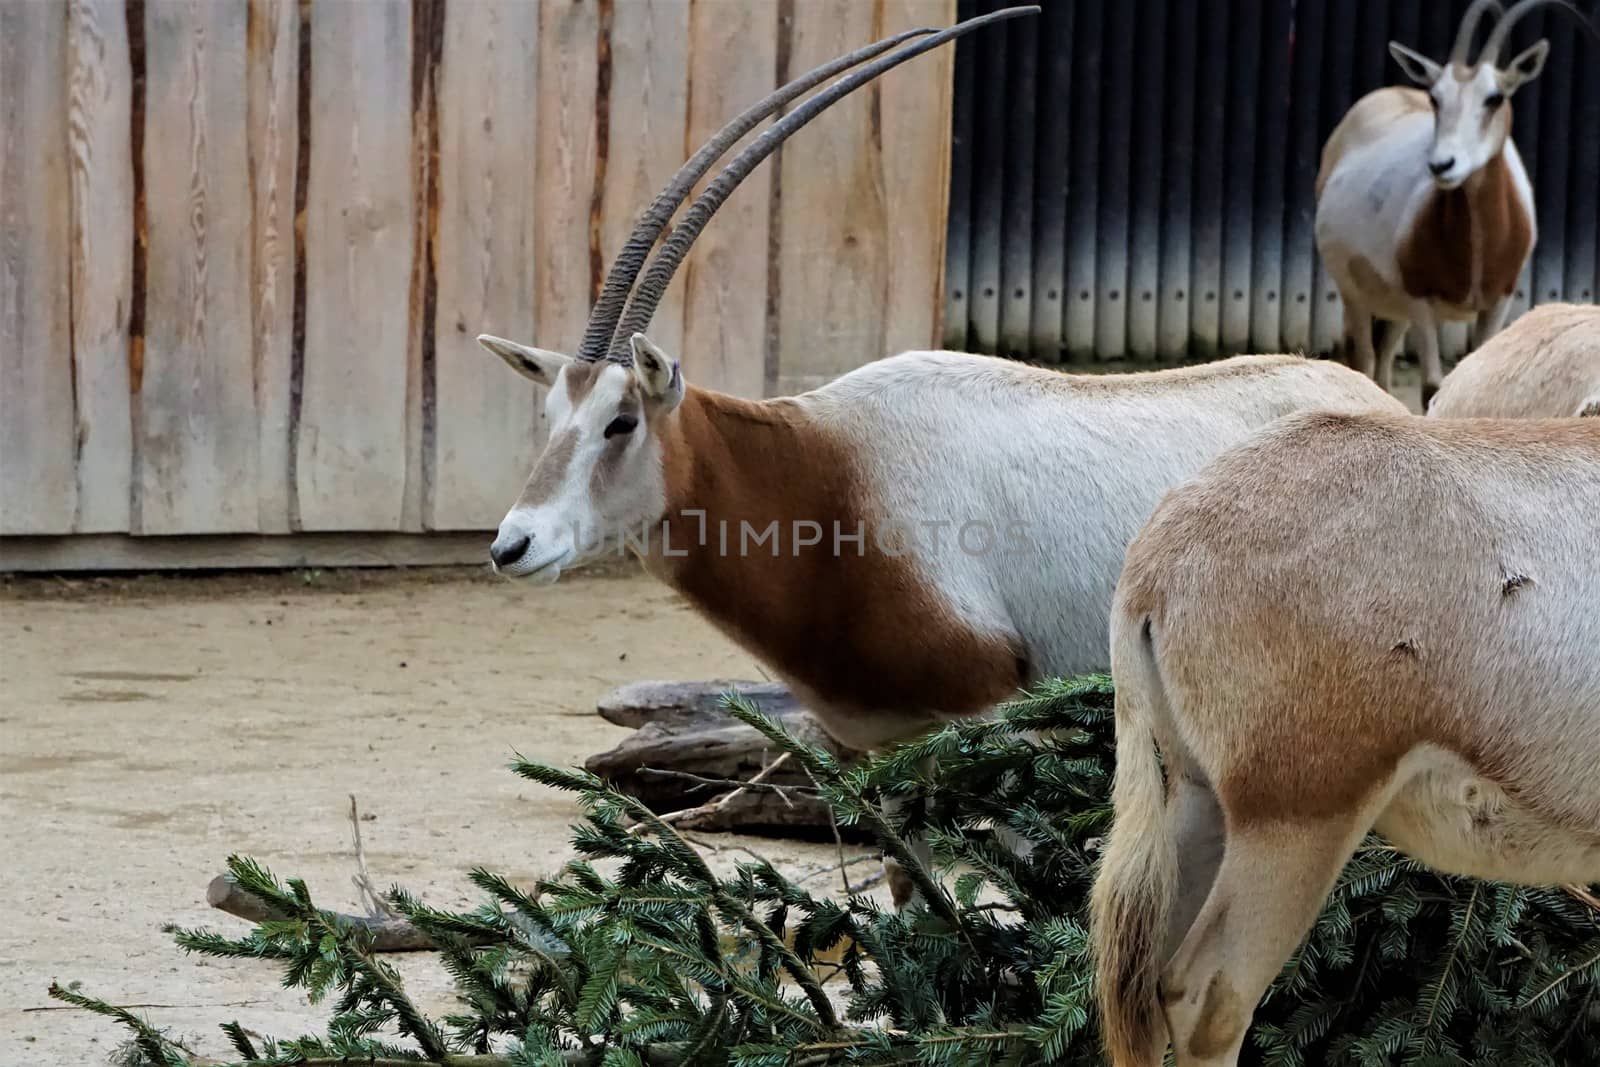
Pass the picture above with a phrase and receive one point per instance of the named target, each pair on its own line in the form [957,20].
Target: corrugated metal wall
[1133,179]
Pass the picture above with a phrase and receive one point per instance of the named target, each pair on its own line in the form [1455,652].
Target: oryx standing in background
[1424,210]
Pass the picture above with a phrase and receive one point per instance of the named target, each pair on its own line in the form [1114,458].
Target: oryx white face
[1471,108]
[600,476]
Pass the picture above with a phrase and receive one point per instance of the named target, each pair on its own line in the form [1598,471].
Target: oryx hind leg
[1269,888]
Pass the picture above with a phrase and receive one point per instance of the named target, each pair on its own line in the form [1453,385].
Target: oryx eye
[1494,100]
[620,425]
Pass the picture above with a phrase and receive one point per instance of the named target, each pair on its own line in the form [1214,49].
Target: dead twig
[714,806]
[371,899]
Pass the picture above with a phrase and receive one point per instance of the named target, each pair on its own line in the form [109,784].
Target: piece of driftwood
[687,703]
[390,933]
[688,757]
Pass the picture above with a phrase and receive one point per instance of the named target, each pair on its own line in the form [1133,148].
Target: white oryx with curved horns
[1424,210]
[1347,623]
[917,539]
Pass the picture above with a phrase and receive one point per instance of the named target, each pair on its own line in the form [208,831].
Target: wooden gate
[247,245]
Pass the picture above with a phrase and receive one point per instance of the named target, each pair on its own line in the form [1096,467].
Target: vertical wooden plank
[1583,201]
[351,453]
[1116,161]
[1211,129]
[1149,141]
[569,43]
[988,186]
[1338,93]
[1178,188]
[914,104]
[1016,246]
[1529,134]
[37,447]
[958,240]
[1083,200]
[1267,296]
[1053,157]
[102,258]
[197,415]
[648,111]
[488,424]
[833,257]
[1305,154]
[852,202]
[733,60]
[958,230]
[1550,190]
[1116,155]
[273,57]
[1239,187]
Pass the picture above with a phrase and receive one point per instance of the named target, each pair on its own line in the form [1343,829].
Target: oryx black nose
[1441,166]
[507,552]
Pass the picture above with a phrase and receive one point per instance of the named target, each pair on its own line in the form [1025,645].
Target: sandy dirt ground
[150,727]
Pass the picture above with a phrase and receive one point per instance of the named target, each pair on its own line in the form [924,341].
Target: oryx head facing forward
[603,474]
[1471,96]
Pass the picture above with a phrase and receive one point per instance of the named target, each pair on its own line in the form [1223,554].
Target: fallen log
[689,758]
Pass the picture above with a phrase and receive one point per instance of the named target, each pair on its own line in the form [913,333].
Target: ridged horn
[642,305]
[1460,54]
[631,258]
[1500,36]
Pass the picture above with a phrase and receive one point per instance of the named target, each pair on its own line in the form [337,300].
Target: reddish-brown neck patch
[855,629]
[1467,245]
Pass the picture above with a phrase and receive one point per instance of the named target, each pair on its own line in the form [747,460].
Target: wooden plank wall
[247,244]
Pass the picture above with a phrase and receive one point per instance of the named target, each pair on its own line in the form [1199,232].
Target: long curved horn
[630,259]
[1460,54]
[642,305]
[1500,36]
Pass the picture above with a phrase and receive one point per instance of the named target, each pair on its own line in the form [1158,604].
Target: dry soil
[149,727]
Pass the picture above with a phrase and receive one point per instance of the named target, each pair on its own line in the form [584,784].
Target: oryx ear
[659,374]
[539,364]
[1418,67]
[1524,68]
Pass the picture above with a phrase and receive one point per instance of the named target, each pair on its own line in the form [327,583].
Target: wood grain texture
[833,260]
[915,104]
[273,58]
[568,59]
[352,449]
[99,94]
[197,425]
[648,115]
[37,446]
[864,201]
[488,423]
[733,60]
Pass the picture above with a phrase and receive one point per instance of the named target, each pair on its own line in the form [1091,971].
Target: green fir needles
[638,955]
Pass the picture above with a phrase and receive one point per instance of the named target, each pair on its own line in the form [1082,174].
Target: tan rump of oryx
[1544,365]
[1350,622]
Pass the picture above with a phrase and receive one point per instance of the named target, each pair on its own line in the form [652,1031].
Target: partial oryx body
[1347,623]
[913,541]
[1424,211]
[1545,365]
